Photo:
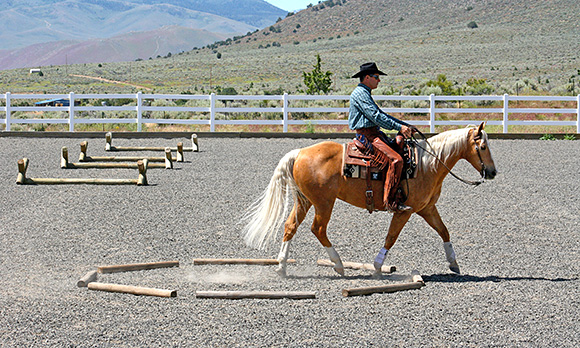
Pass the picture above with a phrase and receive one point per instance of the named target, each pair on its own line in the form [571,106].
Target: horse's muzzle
[489,173]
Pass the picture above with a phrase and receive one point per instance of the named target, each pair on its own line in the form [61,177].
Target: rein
[432,153]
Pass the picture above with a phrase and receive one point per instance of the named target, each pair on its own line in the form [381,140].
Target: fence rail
[286,109]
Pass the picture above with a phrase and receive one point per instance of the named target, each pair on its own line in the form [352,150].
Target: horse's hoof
[281,272]
[340,271]
[454,267]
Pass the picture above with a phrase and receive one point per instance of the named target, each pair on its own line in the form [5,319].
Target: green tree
[317,81]
[447,87]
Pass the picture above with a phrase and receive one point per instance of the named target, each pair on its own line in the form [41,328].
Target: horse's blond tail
[266,214]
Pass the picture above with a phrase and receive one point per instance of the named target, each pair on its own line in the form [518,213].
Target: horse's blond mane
[444,145]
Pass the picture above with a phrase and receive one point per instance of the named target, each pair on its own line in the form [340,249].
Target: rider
[366,118]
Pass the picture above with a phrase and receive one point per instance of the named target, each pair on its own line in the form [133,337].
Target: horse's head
[479,154]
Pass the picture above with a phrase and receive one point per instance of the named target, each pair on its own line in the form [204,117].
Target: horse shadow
[466,278]
[370,276]
[434,278]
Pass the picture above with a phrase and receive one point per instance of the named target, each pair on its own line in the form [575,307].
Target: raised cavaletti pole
[109,146]
[65,164]
[83,157]
[23,180]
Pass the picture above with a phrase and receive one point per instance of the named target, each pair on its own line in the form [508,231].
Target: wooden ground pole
[137,266]
[238,261]
[236,295]
[129,289]
[356,265]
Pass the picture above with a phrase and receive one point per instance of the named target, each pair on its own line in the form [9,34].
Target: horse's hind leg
[431,215]
[294,220]
[321,219]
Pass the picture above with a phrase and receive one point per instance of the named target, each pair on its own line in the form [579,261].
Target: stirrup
[403,207]
[398,207]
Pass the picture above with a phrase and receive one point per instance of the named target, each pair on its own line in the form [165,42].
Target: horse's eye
[483,147]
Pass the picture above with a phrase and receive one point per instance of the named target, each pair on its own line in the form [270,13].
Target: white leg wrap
[282,257]
[284,252]
[380,259]
[333,255]
[449,252]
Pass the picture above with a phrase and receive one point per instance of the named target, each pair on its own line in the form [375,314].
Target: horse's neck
[449,149]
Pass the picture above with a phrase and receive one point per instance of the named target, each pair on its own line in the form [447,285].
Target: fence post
[577,113]
[71,112]
[139,111]
[505,112]
[212,113]
[432,113]
[8,111]
[285,111]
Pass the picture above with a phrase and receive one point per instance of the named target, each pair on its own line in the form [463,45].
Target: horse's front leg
[431,215]
[397,223]
[321,219]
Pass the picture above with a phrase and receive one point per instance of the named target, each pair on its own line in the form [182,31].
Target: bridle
[432,153]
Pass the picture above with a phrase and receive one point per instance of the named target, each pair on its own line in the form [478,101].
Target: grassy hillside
[519,46]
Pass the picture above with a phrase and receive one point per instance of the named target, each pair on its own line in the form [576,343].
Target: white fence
[286,109]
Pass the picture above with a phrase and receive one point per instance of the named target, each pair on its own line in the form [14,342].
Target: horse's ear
[480,129]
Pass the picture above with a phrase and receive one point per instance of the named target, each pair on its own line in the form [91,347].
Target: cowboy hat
[368,69]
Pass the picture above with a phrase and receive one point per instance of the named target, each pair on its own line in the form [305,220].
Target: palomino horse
[314,177]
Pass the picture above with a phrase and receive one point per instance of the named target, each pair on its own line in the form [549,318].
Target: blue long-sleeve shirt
[365,113]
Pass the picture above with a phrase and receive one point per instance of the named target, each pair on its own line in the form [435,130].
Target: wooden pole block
[238,261]
[142,165]
[235,295]
[22,167]
[137,266]
[108,140]
[168,159]
[179,152]
[87,278]
[356,265]
[83,154]
[194,143]
[64,157]
[381,289]
[135,290]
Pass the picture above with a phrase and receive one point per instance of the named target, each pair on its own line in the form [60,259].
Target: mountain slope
[126,47]
[37,33]
[72,20]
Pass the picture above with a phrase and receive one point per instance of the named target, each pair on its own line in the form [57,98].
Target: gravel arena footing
[516,239]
